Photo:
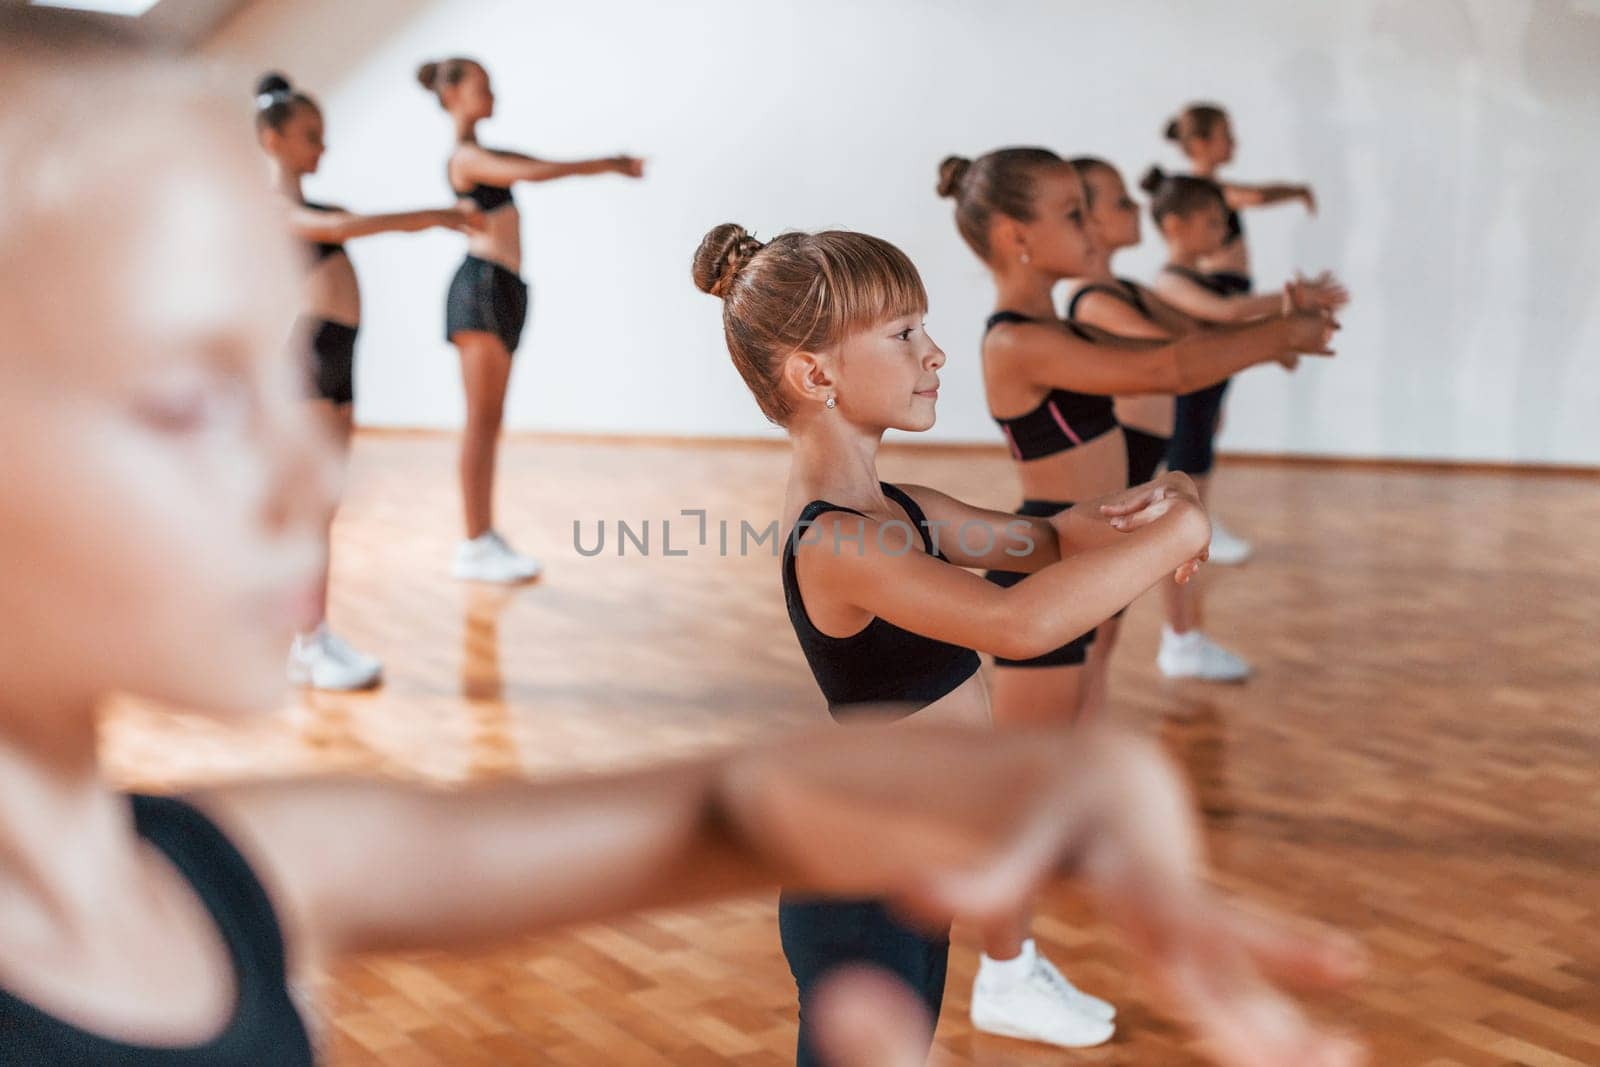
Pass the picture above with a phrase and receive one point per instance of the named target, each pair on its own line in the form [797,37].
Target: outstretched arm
[474,163]
[1239,196]
[1050,357]
[340,226]
[946,822]
[1201,303]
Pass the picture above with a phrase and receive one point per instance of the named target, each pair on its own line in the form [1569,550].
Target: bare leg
[485,372]
[1028,696]
[1097,671]
[339,420]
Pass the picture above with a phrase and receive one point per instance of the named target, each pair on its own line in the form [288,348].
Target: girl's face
[298,146]
[1113,215]
[1057,239]
[471,98]
[1215,149]
[887,376]
[1201,232]
[167,491]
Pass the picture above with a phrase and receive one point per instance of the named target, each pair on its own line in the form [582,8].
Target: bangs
[865,281]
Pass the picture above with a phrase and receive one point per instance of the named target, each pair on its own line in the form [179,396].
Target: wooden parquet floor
[1417,760]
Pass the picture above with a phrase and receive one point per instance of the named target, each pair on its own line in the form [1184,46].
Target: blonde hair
[800,292]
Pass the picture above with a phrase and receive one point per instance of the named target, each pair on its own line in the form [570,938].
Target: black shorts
[1074,652]
[486,297]
[1145,453]
[331,351]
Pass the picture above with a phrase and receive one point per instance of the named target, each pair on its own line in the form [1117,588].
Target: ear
[1007,239]
[810,377]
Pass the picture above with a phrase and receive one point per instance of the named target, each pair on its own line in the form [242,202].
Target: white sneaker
[322,660]
[487,558]
[1227,547]
[1040,1006]
[1194,655]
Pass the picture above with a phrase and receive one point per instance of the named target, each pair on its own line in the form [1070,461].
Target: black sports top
[879,662]
[1121,289]
[321,250]
[487,197]
[1222,282]
[1064,419]
[264,1028]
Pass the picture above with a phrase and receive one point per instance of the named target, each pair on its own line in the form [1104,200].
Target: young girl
[1204,135]
[488,301]
[1192,217]
[184,506]
[827,331]
[1050,384]
[1125,308]
[289,129]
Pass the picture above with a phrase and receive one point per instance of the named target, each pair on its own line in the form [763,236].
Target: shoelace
[1055,979]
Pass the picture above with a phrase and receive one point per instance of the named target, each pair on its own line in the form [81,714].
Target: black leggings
[1192,449]
[1145,453]
[821,934]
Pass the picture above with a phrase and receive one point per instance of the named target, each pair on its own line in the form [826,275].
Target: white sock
[1007,973]
[1169,636]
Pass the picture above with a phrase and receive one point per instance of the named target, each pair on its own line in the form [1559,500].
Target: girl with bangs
[827,330]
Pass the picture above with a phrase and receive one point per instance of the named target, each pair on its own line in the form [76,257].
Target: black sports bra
[321,250]
[264,1027]
[487,197]
[1064,419]
[1121,289]
[881,662]
[1222,282]
[1231,218]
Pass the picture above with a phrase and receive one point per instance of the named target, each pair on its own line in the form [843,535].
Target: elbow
[1026,633]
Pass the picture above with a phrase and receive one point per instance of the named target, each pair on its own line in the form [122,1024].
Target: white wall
[1452,143]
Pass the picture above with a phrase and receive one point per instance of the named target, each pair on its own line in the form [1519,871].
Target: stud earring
[832,403]
[1026,259]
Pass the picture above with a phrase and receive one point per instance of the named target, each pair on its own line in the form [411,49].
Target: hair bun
[1171,132]
[272,84]
[1152,179]
[722,254]
[952,172]
[427,75]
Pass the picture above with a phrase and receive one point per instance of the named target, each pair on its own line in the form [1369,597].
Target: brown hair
[437,75]
[799,292]
[1196,120]
[277,101]
[1179,194]
[999,182]
[1085,165]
